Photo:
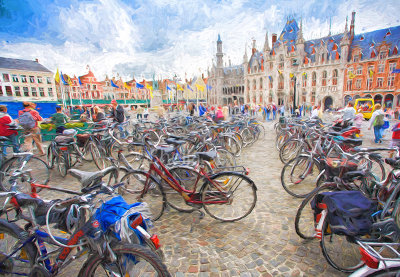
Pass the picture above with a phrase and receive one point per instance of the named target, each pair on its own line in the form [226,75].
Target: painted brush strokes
[164,37]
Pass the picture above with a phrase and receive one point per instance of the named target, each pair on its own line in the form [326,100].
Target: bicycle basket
[81,139]
[116,214]
[337,166]
[349,212]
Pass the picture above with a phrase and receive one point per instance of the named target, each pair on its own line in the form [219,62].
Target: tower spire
[330,26]
[266,44]
[245,58]
[345,27]
[300,38]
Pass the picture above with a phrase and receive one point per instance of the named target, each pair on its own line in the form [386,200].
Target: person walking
[349,112]
[117,112]
[146,112]
[59,119]
[273,111]
[139,112]
[358,119]
[202,109]
[268,111]
[5,131]
[377,121]
[225,111]
[28,119]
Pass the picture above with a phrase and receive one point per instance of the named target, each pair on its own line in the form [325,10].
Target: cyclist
[28,119]
[5,121]
[59,119]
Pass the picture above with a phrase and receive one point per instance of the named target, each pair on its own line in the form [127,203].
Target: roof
[22,65]
[331,44]
[288,35]
[369,42]
[256,57]
[238,68]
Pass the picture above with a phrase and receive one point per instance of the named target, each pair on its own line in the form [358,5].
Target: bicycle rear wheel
[131,260]
[339,252]
[305,220]
[231,197]
[140,188]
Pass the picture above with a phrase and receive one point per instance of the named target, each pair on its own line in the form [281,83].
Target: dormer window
[382,55]
[356,57]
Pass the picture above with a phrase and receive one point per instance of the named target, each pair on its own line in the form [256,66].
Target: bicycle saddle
[99,130]
[174,141]
[165,149]
[207,156]
[352,141]
[393,162]
[353,174]
[87,178]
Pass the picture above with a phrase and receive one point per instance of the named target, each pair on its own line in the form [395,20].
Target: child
[358,119]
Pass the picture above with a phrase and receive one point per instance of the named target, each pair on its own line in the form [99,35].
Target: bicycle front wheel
[229,197]
[299,176]
[139,187]
[131,260]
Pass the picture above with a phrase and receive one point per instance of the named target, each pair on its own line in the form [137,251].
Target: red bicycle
[226,196]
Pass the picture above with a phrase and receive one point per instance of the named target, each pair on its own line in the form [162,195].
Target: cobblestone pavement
[262,244]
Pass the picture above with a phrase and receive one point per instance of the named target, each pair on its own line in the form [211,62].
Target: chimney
[353,16]
[37,60]
[274,37]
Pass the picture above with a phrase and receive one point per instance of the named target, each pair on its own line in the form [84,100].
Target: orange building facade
[371,70]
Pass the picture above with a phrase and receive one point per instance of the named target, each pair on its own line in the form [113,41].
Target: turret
[219,52]
[353,17]
[345,44]
[245,58]
[300,40]
[253,49]
[266,44]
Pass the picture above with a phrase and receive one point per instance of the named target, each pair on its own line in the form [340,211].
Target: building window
[6,78]
[17,91]
[50,92]
[349,84]
[26,91]
[370,70]
[254,85]
[391,81]
[304,81]
[334,77]
[324,76]
[15,78]
[379,82]
[281,61]
[39,79]
[381,68]
[392,66]
[314,79]
[281,82]
[48,80]
[23,78]
[94,87]
[248,85]
[9,91]
[88,86]
[1,91]
[271,83]
[41,92]
[313,97]
[356,58]
[271,65]
[359,70]
[358,83]
[261,83]
[369,83]
[382,55]
[34,92]
[32,79]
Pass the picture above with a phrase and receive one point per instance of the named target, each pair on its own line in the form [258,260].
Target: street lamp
[294,93]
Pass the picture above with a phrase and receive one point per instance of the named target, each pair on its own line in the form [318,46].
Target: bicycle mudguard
[212,176]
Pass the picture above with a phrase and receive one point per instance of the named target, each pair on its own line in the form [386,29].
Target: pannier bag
[349,212]
[116,214]
[81,139]
[63,139]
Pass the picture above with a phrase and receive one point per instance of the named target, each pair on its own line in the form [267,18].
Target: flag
[168,88]
[79,81]
[371,73]
[305,73]
[178,87]
[150,88]
[69,81]
[63,80]
[126,86]
[395,71]
[208,87]
[57,77]
[189,87]
[291,75]
[270,78]
[138,85]
[351,75]
[280,72]
[114,85]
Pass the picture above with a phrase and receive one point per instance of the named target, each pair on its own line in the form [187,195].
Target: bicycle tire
[188,179]
[140,254]
[63,164]
[299,175]
[13,235]
[226,180]
[132,190]
[50,156]
[231,144]
[334,250]
[376,166]
[39,171]
[304,223]
[291,149]
[98,156]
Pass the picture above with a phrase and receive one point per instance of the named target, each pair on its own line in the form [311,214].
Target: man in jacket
[33,133]
[5,131]
[118,114]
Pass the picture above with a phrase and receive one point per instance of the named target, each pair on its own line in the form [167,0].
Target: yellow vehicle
[366,105]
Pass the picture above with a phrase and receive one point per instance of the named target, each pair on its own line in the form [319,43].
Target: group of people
[29,118]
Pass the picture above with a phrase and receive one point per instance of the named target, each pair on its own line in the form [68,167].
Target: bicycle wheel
[339,251]
[50,156]
[138,161]
[131,260]
[38,169]
[139,187]
[231,197]
[290,150]
[189,179]
[231,145]
[21,262]
[224,159]
[374,165]
[63,163]
[299,176]
[304,223]
[98,156]
[247,136]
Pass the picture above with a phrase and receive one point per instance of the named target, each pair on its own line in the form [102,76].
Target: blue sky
[165,37]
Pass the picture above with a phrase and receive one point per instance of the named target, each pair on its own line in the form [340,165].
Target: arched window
[281,61]
[314,79]
[248,85]
[255,69]
[261,83]
[254,84]
[281,82]
[334,77]
[304,80]
[324,76]
[271,82]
